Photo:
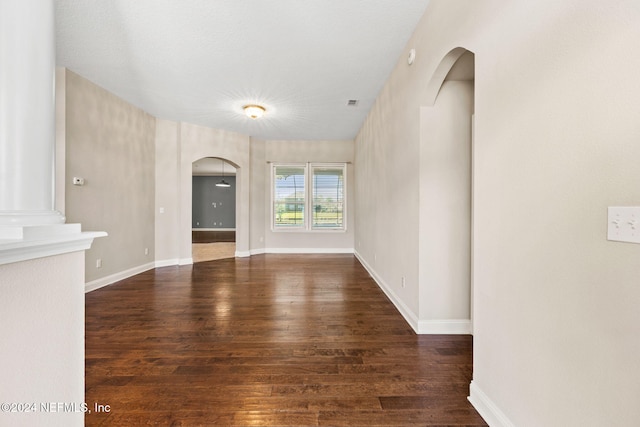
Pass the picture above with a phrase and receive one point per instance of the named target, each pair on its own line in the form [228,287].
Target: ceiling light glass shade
[254,111]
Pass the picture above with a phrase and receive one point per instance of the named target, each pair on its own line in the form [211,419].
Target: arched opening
[446,197]
[213,212]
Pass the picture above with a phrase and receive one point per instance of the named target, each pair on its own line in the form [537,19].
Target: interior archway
[446,197]
[213,212]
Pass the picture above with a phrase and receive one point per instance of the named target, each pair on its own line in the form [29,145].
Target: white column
[27,113]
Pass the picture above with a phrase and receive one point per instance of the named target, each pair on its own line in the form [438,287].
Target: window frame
[303,225]
[307,225]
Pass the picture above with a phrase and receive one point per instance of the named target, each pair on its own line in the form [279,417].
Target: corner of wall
[487,408]
[408,315]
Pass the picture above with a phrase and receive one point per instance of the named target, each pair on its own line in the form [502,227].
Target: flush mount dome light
[254,111]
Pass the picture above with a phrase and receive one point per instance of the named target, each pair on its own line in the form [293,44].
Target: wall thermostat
[78,181]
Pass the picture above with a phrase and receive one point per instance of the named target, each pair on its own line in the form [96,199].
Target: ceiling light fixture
[254,111]
[223,183]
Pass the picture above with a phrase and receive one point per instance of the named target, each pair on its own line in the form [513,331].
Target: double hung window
[309,196]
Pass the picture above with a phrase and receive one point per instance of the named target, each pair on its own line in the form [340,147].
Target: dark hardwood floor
[212,236]
[287,340]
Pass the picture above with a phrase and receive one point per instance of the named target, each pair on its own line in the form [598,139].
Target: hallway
[299,340]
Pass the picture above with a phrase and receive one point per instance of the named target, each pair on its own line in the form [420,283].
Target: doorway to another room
[213,222]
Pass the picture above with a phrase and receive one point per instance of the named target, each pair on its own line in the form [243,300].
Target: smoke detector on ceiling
[412,57]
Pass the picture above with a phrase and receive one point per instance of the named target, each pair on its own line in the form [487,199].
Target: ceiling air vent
[352,102]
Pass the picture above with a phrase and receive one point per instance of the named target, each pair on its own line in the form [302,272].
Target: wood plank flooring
[270,340]
[212,236]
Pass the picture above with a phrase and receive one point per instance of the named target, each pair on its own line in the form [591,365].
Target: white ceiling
[200,61]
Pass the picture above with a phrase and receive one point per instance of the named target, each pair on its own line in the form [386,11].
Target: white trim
[304,166]
[405,311]
[108,280]
[486,408]
[435,327]
[312,167]
[308,250]
[167,263]
[445,326]
[185,261]
[261,251]
[213,229]
[307,225]
[242,254]
[310,230]
[29,218]
[22,243]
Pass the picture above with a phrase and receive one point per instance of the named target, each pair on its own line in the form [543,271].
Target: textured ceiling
[200,61]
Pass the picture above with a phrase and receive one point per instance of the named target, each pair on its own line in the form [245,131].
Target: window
[328,196]
[316,189]
[289,196]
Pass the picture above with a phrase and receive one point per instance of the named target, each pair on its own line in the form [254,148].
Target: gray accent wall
[213,207]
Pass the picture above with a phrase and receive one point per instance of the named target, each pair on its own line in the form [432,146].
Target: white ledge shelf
[22,243]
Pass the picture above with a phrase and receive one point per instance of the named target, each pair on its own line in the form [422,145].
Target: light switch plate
[623,224]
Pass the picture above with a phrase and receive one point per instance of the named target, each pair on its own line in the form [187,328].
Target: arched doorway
[446,197]
[213,212]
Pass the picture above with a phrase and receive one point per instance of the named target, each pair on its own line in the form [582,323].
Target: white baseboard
[167,262]
[408,315]
[308,250]
[445,326]
[435,327]
[486,408]
[104,281]
[242,254]
[185,261]
[261,251]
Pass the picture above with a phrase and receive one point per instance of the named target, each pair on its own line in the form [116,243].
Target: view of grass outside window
[318,189]
[328,197]
[289,196]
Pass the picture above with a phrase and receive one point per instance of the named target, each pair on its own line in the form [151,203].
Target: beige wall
[197,142]
[445,209]
[178,145]
[260,200]
[556,142]
[110,144]
[167,207]
[387,160]
[297,151]
[148,163]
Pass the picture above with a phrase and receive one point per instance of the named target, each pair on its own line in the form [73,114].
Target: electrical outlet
[403,282]
[146,251]
[99,263]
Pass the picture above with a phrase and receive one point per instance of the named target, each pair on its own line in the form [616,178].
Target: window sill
[311,231]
